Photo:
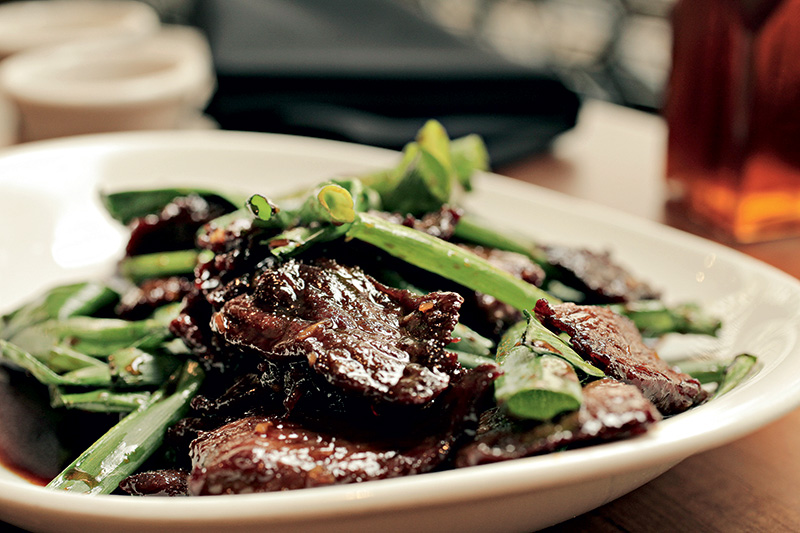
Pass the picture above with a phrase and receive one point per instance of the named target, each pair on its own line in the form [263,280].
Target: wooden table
[615,157]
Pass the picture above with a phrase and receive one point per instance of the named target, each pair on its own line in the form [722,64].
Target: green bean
[134,367]
[262,207]
[425,184]
[471,342]
[92,336]
[476,230]
[511,337]
[20,358]
[124,206]
[471,360]
[534,384]
[726,374]
[78,299]
[121,451]
[425,179]
[159,265]
[447,260]
[654,318]
[702,370]
[735,373]
[100,400]
[544,341]
[468,154]
[88,376]
[65,359]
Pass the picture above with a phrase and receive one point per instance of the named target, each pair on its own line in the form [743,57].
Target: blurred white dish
[49,190]
[26,25]
[8,122]
[151,82]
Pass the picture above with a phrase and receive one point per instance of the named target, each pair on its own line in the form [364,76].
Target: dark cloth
[372,72]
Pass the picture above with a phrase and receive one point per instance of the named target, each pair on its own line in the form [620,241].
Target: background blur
[614,50]
[371,71]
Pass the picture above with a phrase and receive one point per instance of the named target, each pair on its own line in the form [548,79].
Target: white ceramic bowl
[156,81]
[26,25]
[49,190]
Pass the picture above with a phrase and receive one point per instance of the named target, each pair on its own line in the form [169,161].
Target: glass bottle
[733,113]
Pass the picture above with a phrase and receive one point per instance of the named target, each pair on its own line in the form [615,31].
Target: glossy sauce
[733,112]
[28,447]
[36,443]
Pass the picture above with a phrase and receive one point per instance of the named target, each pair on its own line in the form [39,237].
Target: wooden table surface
[615,156]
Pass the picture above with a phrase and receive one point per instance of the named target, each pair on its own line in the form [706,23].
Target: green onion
[159,265]
[99,400]
[78,299]
[121,451]
[534,384]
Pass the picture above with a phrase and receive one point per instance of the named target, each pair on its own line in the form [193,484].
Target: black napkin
[372,72]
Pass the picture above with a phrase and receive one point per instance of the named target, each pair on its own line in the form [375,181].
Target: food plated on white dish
[52,189]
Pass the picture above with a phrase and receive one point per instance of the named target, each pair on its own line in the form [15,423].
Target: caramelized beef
[141,301]
[515,264]
[225,236]
[597,276]
[174,227]
[168,482]
[358,334]
[192,326]
[259,454]
[232,270]
[610,410]
[246,394]
[181,434]
[612,343]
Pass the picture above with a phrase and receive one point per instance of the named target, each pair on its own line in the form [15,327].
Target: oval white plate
[56,231]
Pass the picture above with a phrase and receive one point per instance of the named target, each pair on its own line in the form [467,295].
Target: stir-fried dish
[366,328]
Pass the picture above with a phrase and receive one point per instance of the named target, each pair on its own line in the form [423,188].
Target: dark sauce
[38,442]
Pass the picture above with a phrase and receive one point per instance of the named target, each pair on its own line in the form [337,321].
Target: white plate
[54,230]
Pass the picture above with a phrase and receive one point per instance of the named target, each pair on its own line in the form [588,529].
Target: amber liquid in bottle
[733,112]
